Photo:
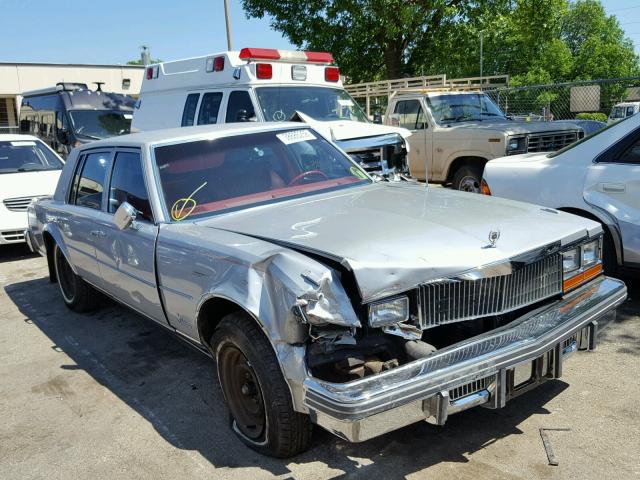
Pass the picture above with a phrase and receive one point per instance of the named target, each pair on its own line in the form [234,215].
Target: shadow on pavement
[174,388]
[14,252]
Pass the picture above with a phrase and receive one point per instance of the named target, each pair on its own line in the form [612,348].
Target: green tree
[369,38]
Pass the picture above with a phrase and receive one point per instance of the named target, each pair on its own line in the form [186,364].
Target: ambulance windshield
[280,103]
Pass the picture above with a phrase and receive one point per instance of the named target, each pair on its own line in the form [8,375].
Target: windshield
[455,108]
[27,156]
[280,103]
[97,124]
[202,177]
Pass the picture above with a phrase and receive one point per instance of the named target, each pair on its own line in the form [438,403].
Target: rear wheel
[467,178]
[77,294]
[259,401]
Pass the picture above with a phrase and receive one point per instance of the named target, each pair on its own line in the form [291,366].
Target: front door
[127,257]
[410,114]
[613,184]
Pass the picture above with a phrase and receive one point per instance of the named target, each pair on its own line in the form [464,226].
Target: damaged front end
[480,338]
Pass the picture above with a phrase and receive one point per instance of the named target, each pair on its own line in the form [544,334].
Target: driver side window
[410,114]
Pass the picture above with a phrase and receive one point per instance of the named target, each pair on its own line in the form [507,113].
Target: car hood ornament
[494,235]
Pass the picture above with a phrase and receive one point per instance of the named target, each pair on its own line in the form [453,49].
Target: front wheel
[77,294]
[259,401]
[467,178]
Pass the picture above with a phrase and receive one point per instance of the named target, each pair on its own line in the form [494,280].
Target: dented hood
[340,130]
[395,236]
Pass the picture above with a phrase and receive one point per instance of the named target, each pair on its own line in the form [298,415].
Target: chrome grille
[18,204]
[458,300]
[550,142]
[469,388]
[13,235]
[370,160]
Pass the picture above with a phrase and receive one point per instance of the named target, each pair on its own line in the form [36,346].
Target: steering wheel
[295,180]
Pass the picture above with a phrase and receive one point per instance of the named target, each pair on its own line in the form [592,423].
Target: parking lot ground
[110,395]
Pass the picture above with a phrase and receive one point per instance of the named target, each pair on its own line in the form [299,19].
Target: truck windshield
[454,108]
[203,177]
[27,156]
[280,103]
[96,124]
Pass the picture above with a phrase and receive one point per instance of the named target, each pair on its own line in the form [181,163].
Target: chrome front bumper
[485,370]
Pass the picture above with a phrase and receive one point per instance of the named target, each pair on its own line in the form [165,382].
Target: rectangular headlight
[590,253]
[581,264]
[389,312]
[570,261]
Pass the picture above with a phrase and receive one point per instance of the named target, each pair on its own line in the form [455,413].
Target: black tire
[467,178]
[77,294]
[609,258]
[260,407]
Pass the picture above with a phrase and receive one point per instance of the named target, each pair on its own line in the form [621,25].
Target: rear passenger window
[189,113]
[209,108]
[239,107]
[127,185]
[90,182]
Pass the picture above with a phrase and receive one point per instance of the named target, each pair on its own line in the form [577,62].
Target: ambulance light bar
[285,55]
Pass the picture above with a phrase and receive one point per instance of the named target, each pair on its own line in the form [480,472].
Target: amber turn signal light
[484,187]
[582,277]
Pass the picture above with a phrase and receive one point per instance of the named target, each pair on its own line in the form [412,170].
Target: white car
[28,169]
[597,178]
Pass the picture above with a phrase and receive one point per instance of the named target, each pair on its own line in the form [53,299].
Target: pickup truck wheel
[259,401]
[77,294]
[467,178]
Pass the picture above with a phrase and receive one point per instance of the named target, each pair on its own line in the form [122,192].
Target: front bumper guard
[484,370]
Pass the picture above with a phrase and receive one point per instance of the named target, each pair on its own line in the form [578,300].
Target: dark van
[70,114]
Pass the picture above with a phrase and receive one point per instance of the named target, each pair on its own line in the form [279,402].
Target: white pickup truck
[454,134]
[267,85]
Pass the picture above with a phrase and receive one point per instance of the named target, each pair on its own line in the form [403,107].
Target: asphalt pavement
[110,395]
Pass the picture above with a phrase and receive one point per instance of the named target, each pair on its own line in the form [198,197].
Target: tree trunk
[393,60]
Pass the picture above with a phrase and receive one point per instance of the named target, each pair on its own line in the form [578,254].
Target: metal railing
[379,91]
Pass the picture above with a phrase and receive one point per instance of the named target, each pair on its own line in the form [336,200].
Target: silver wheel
[469,184]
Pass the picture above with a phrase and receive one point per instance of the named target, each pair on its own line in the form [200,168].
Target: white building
[16,78]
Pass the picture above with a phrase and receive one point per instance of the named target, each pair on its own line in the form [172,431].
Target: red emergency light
[264,71]
[285,55]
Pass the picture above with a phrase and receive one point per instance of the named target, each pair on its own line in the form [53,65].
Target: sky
[76,31]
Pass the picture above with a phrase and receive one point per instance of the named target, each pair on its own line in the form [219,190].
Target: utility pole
[481,59]
[226,18]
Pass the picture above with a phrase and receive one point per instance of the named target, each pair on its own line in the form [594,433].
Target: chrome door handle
[98,233]
[613,187]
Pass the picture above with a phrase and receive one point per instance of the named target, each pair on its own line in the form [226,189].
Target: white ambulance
[266,85]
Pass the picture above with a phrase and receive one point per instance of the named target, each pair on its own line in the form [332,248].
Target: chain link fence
[563,101]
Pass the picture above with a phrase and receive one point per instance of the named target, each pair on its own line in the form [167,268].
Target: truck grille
[458,300]
[550,142]
[18,204]
[370,160]
[13,235]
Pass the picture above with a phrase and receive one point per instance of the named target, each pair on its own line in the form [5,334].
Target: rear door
[127,257]
[613,184]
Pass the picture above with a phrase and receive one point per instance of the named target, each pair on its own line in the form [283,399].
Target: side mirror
[242,116]
[124,216]
[377,118]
